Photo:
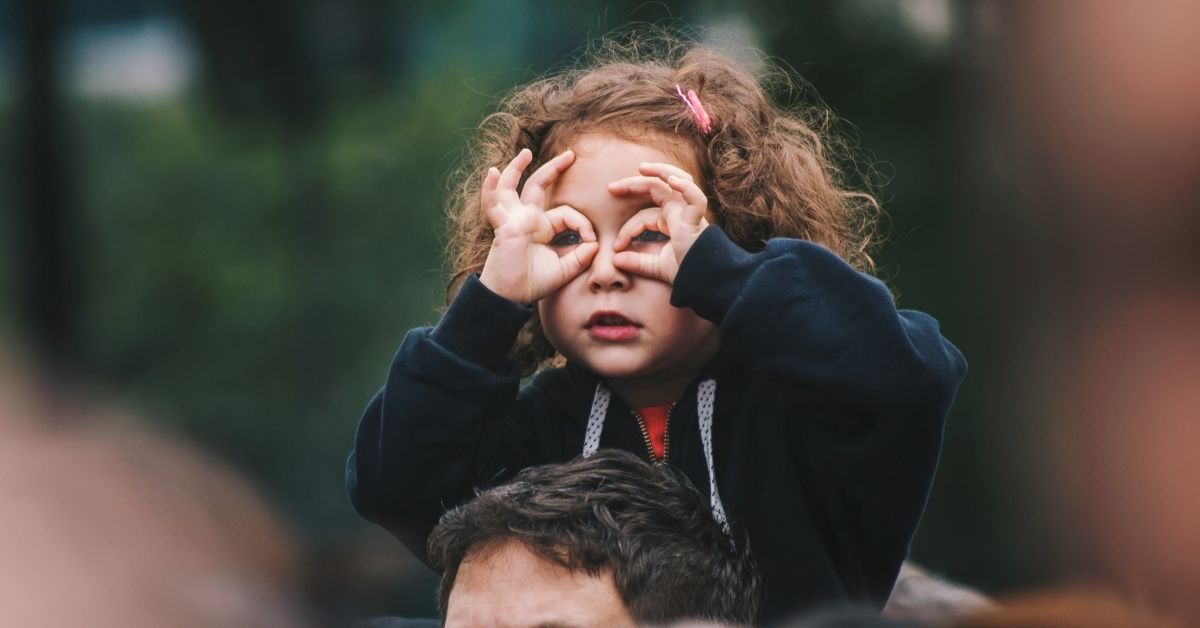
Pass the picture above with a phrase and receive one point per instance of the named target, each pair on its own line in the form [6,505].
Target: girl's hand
[677,221]
[535,251]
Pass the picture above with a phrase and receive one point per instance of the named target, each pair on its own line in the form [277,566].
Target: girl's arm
[863,387]
[448,418]
[867,386]
[797,311]
[425,440]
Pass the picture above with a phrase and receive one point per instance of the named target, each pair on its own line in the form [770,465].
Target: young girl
[673,256]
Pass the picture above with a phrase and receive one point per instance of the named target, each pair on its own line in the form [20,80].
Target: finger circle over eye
[567,217]
[651,216]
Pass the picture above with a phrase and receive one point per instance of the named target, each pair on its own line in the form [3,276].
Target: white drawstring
[705,398]
[591,438]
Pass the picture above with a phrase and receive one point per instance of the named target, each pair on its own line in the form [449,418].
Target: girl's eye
[566,238]
[651,236]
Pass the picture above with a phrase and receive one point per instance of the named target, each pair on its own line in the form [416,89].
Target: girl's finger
[664,171]
[566,217]
[487,191]
[649,218]
[534,192]
[511,175]
[487,198]
[654,187]
[695,202]
[640,264]
[578,259]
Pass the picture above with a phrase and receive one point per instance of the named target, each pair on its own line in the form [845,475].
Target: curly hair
[768,170]
[647,525]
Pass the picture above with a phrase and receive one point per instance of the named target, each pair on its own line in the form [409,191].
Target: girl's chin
[614,367]
[617,371]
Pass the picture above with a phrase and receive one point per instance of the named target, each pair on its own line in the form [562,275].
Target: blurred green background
[248,200]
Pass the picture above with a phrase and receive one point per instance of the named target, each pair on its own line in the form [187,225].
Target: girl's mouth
[612,327]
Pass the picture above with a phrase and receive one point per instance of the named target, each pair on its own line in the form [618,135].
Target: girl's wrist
[492,280]
[685,243]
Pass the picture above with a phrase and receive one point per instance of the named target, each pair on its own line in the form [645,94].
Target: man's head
[602,540]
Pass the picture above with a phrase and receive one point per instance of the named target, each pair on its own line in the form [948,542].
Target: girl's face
[618,324]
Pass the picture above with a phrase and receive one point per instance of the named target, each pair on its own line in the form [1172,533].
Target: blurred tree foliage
[248,289]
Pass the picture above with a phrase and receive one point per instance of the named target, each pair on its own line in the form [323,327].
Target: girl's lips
[611,326]
[613,333]
[611,318]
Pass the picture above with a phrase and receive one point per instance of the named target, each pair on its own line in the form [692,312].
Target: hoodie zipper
[646,436]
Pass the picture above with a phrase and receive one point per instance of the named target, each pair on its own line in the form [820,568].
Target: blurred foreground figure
[1067,609]
[1106,96]
[108,524]
[923,597]
[601,541]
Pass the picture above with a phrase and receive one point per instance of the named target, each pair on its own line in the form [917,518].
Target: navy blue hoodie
[826,424]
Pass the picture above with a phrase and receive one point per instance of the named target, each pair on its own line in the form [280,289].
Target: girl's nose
[603,275]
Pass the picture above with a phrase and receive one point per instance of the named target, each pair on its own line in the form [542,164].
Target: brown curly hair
[768,170]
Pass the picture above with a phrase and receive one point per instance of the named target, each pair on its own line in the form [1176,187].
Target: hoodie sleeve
[797,311]
[418,447]
[867,385]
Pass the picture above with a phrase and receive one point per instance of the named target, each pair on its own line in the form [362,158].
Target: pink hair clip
[699,115]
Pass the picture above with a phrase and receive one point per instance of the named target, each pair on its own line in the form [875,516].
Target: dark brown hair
[768,171]
[611,512]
